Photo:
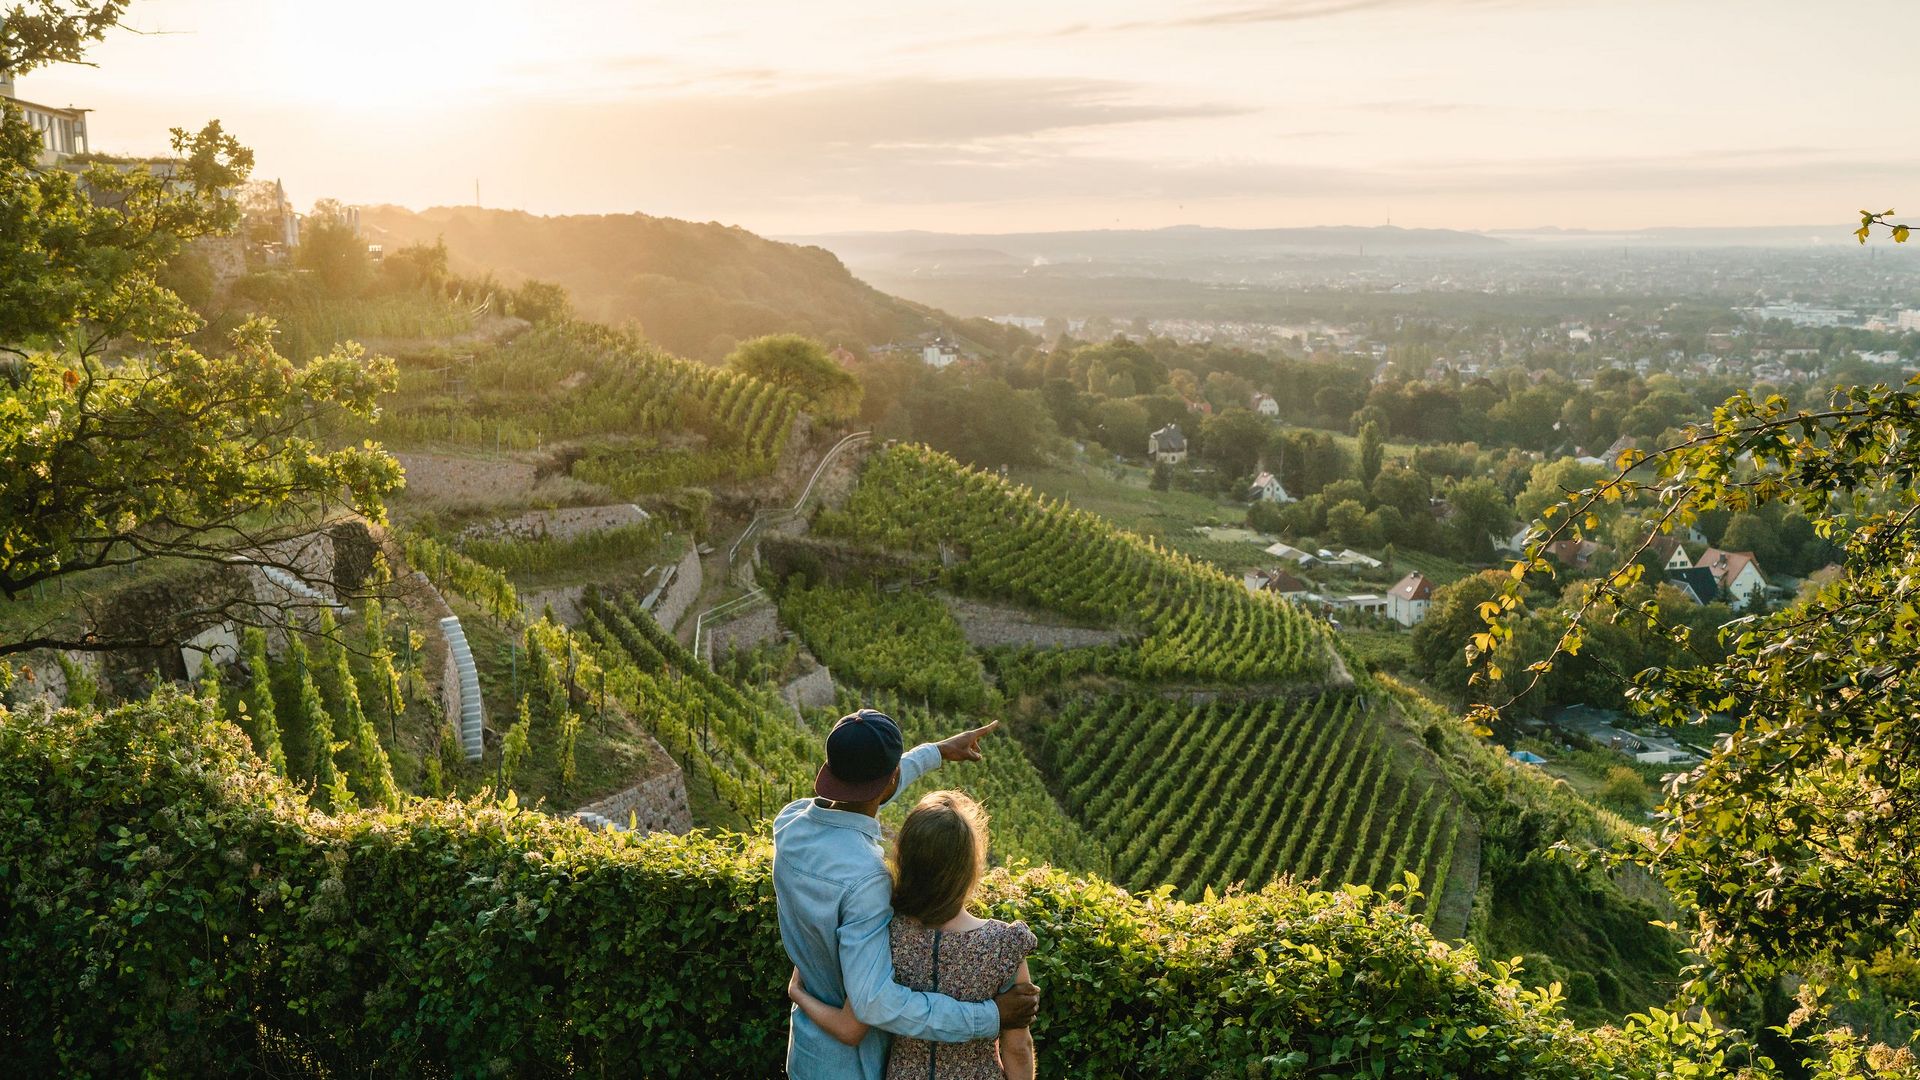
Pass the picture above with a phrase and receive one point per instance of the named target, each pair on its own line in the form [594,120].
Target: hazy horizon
[997,117]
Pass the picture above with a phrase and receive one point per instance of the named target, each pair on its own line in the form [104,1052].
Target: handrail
[761,517]
[700,621]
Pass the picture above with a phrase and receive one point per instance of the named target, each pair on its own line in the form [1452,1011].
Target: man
[835,900]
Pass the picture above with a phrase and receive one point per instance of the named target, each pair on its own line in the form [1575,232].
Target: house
[1168,446]
[62,131]
[1573,554]
[1695,582]
[1265,405]
[1276,581]
[1200,407]
[1268,488]
[939,353]
[1407,602]
[843,356]
[1669,551]
[1737,573]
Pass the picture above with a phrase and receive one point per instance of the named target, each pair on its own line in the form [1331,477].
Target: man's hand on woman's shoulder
[966,745]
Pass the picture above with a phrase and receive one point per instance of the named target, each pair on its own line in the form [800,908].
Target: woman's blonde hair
[939,857]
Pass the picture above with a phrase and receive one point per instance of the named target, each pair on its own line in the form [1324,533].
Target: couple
[877,953]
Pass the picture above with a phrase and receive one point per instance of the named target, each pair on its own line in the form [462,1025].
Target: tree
[1791,846]
[1372,452]
[1347,524]
[98,454]
[54,33]
[1234,439]
[1480,513]
[82,253]
[333,251]
[541,302]
[801,365]
[1625,791]
[164,452]
[1453,617]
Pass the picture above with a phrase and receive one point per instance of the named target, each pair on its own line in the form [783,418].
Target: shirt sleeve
[915,764]
[866,966]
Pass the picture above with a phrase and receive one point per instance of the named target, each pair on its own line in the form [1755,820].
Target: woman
[938,945]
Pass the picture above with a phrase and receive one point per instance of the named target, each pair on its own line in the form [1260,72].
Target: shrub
[168,905]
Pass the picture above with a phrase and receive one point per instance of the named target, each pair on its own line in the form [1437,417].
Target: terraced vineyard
[901,640]
[1208,795]
[579,381]
[1028,825]
[1196,624]
[743,754]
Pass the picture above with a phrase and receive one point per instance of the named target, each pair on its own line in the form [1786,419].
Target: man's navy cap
[863,750]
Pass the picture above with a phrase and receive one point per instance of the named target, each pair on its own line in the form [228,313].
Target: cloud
[1278,12]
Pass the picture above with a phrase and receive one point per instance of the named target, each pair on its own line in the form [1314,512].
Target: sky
[1027,115]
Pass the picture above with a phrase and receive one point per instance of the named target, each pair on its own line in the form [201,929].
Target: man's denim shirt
[836,904]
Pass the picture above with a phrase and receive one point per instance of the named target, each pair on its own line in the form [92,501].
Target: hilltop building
[1168,446]
[939,353]
[1737,572]
[63,131]
[1407,602]
[1265,405]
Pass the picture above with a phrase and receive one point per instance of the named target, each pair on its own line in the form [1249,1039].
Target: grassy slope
[693,287]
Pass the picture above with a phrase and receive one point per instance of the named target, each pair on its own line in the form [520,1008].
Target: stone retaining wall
[753,628]
[681,594]
[989,625]
[656,804]
[813,690]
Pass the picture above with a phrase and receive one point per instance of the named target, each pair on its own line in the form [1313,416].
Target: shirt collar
[844,819]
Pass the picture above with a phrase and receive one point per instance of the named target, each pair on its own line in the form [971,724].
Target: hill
[696,289]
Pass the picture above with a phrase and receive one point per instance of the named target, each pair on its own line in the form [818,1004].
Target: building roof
[1727,565]
[1697,581]
[1574,553]
[1169,438]
[1279,581]
[1662,545]
[1415,586]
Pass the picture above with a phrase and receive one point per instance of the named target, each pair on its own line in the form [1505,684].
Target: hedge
[168,906]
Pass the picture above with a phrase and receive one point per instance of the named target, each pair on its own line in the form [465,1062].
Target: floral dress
[971,965]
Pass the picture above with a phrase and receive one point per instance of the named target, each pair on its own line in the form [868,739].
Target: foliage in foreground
[167,903]
[1792,845]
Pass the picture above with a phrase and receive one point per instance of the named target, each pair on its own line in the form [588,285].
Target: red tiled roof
[1726,565]
[1414,586]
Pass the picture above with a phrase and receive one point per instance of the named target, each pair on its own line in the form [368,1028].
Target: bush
[168,905]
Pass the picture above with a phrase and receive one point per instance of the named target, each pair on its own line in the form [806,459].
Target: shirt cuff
[990,1016]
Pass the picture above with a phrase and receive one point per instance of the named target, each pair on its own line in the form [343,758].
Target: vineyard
[742,752]
[1207,795]
[654,421]
[903,641]
[1194,622]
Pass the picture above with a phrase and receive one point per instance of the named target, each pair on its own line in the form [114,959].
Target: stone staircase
[472,714]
